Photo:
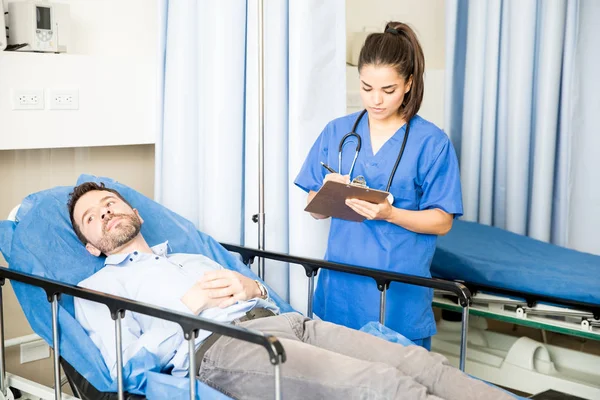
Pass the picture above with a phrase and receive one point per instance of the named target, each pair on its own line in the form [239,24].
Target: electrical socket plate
[63,99]
[27,99]
[34,351]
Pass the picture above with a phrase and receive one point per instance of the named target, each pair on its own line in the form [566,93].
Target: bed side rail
[382,279]
[118,306]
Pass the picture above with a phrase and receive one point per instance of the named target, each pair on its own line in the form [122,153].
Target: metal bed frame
[192,324]
[529,309]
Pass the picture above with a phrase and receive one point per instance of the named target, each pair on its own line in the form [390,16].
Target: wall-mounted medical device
[40,26]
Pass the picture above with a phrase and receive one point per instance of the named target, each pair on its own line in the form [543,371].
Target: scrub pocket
[403,198]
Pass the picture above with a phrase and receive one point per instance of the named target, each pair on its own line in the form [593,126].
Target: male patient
[323,360]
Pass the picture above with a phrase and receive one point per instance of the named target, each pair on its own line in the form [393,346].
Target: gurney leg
[463,337]
[311,288]
[56,346]
[2,365]
[261,267]
[118,338]
[382,306]
[192,353]
[277,381]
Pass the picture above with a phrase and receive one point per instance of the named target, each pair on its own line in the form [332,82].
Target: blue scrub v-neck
[365,134]
[368,163]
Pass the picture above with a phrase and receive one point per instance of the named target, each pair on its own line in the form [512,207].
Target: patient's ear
[93,250]
[138,215]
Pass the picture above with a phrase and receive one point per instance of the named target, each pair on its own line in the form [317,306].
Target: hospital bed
[46,261]
[523,281]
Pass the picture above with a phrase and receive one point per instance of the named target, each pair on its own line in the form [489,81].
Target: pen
[328,168]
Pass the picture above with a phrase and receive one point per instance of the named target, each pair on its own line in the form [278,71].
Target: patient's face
[106,221]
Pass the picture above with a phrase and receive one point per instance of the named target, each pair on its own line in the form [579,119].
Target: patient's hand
[228,287]
[198,299]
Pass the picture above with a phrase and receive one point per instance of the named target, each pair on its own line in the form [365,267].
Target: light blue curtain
[512,104]
[207,154]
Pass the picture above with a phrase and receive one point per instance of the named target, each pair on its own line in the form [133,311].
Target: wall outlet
[34,351]
[63,99]
[27,99]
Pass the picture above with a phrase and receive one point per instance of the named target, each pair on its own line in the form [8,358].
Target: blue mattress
[491,256]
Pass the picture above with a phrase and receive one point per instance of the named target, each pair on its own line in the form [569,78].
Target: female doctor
[402,153]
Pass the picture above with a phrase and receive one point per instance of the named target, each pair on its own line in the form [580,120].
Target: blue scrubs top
[427,177]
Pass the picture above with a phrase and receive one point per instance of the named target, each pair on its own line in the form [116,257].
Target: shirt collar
[124,259]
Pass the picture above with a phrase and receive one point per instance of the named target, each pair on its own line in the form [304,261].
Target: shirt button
[135,253]
[156,257]
[131,259]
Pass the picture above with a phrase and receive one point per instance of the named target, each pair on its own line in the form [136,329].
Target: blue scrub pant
[425,343]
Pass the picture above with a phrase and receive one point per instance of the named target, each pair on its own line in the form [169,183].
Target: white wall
[112,60]
[113,63]
[427,19]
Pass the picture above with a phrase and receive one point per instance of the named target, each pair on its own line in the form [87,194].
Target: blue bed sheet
[491,256]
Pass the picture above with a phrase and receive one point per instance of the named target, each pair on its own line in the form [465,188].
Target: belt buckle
[243,318]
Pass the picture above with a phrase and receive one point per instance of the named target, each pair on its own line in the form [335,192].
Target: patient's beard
[126,230]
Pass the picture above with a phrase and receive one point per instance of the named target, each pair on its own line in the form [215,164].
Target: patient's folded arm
[197,299]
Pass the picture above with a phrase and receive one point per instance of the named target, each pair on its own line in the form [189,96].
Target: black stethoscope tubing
[359,145]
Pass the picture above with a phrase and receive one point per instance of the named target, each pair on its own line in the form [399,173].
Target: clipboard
[331,200]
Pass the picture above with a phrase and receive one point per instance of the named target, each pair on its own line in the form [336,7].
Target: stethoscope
[358,146]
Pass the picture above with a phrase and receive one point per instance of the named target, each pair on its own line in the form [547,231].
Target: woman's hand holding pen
[382,211]
[335,177]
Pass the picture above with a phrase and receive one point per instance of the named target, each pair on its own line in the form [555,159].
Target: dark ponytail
[399,48]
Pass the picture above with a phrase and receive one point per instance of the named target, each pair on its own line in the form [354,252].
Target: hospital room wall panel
[29,171]
[112,61]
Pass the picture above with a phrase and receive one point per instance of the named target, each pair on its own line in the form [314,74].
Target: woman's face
[382,90]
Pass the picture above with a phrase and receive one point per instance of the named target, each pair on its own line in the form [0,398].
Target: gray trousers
[328,361]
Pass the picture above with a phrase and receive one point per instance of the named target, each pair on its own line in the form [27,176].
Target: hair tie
[393,31]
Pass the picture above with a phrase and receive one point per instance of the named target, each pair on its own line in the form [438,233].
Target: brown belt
[255,313]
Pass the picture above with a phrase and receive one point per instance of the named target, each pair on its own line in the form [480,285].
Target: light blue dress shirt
[158,279]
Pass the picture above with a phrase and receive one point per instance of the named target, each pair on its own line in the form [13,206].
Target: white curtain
[207,155]
[584,162]
[512,105]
